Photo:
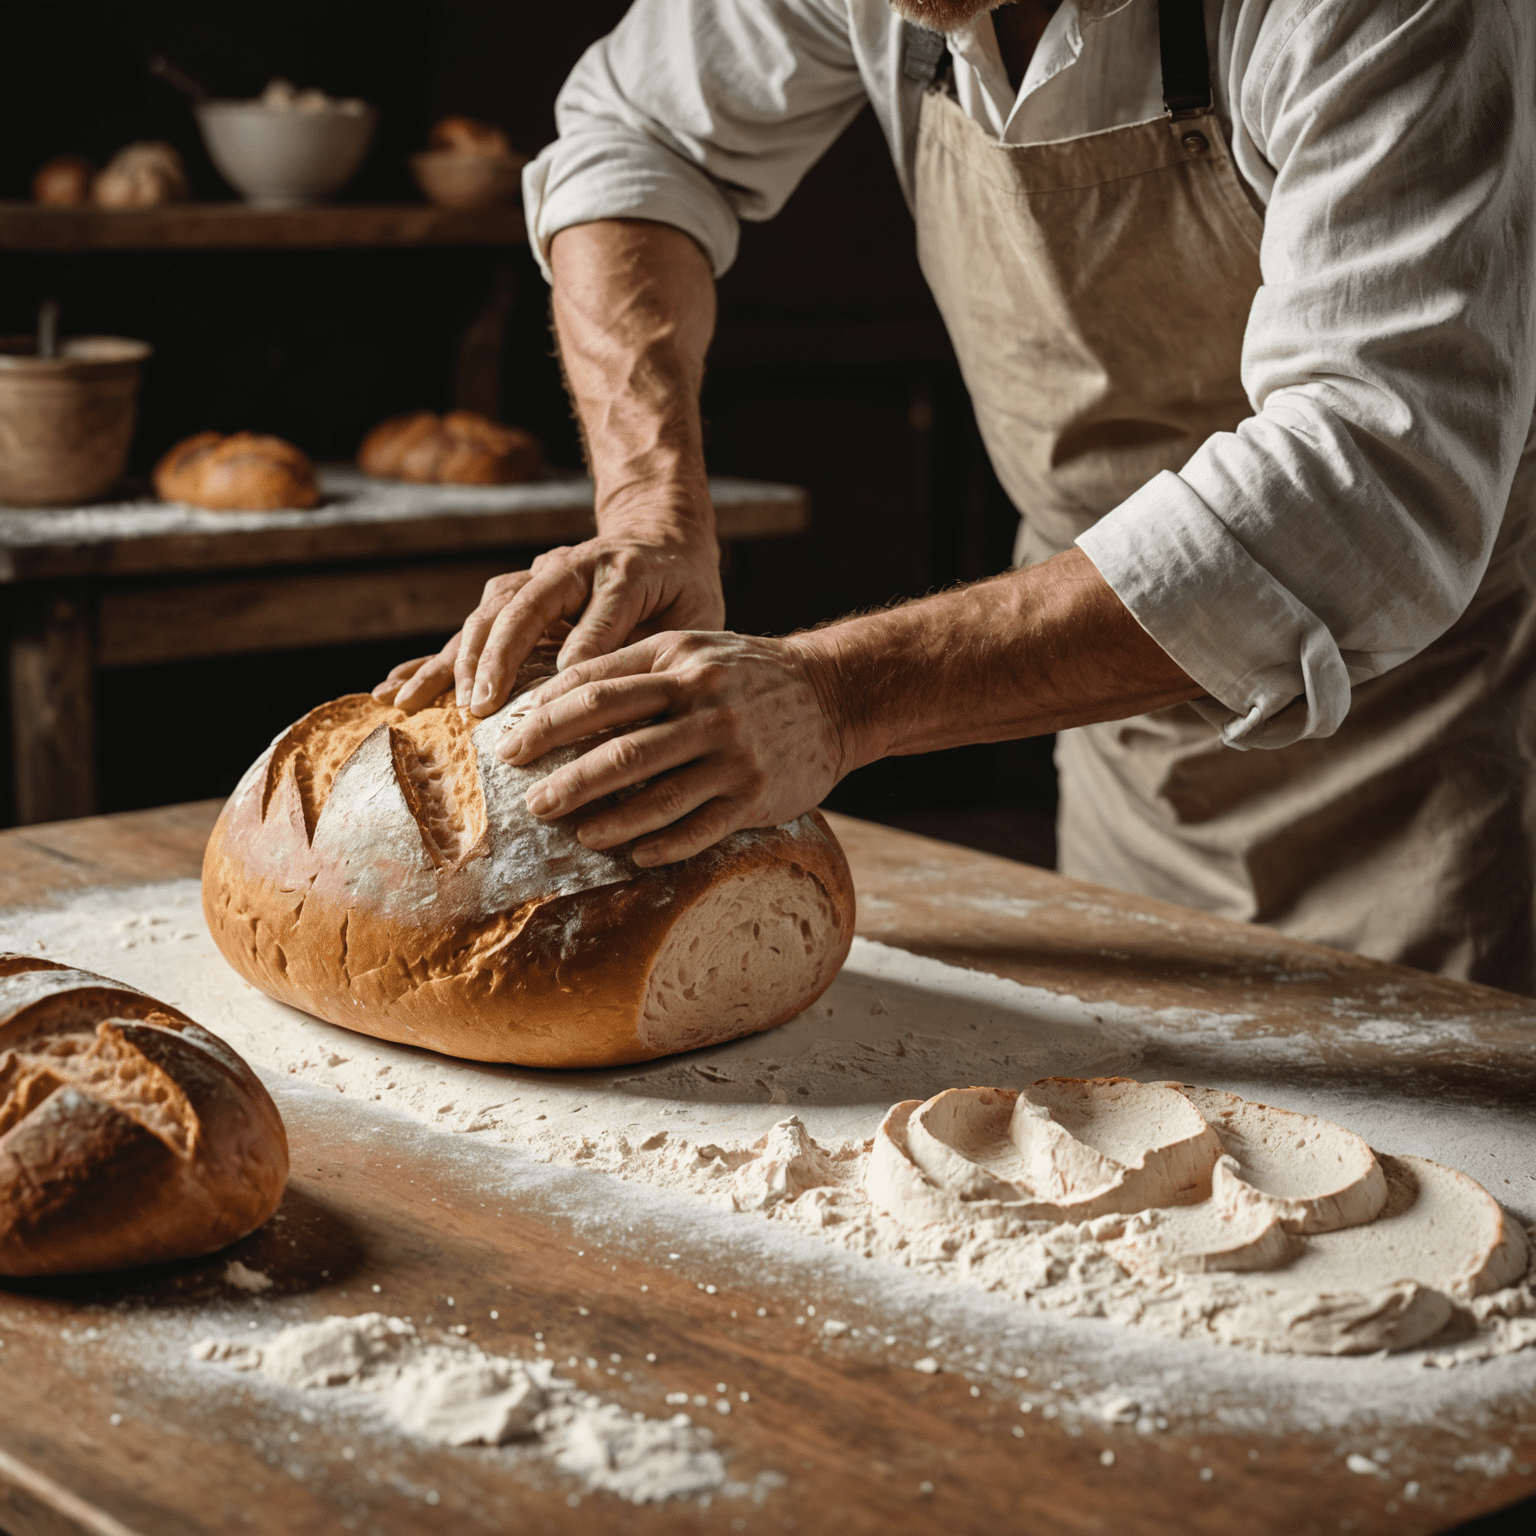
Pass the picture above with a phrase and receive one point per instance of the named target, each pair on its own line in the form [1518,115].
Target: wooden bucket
[66,422]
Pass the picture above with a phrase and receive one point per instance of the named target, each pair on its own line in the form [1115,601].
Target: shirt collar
[1060,45]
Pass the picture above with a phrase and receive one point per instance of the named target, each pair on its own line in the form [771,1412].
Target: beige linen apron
[1096,290]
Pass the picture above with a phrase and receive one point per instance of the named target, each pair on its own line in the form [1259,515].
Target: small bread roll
[141,176]
[128,1134]
[64,181]
[466,136]
[461,448]
[245,472]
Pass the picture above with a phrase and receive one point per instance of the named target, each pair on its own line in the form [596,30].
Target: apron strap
[921,52]
[1186,60]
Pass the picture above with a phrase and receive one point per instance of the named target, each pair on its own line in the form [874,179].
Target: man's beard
[942,15]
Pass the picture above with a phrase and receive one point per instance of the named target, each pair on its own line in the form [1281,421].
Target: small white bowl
[285,159]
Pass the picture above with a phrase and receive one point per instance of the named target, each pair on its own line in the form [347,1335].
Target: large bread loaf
[128,1134]
[383,871]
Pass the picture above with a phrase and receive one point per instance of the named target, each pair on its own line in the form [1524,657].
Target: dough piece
[1437,1228]
[1237,1229]
[461,448]
[1351,1322]
[64,181]
[1113,1144]
[1064,1149]
[141,176]
[245,472]
[1318,1176]
[283,97]
[128,1134]
[383,872]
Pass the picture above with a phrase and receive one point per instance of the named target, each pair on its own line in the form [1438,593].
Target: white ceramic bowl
[285,159]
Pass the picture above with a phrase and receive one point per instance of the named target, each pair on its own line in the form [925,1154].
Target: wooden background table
[851,1443]
[126,584]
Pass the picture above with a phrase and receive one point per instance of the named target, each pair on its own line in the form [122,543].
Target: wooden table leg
[53,713]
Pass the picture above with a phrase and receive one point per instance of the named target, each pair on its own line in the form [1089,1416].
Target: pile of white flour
[449,1392]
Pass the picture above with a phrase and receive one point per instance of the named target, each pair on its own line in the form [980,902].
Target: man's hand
[622,589]
[719,732]
[738,732]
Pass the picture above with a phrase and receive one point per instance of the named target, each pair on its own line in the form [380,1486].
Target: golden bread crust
[461,448]
[382,872]
[244,472]
[129,1135]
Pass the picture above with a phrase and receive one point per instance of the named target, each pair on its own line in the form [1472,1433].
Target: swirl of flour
[1288,1229]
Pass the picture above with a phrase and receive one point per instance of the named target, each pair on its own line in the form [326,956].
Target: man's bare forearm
[1025,653]
[715,732]
[634,307]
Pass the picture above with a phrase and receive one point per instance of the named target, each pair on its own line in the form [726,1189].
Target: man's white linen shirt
[1390,355]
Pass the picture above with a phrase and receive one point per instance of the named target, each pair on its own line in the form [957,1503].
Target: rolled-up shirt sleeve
[696,113]
[1390,359]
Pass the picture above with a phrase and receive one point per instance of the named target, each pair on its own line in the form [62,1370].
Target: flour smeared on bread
[128,1134]
[382,871]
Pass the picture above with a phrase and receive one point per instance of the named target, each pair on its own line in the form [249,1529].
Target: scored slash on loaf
[383,872]
[128,1134]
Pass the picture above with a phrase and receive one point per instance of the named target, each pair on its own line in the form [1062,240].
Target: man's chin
[942,15]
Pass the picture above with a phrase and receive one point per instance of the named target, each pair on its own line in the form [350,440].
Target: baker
[1243,296]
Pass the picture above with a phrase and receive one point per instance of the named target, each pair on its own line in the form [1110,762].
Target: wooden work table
[131,583]
[854,1443]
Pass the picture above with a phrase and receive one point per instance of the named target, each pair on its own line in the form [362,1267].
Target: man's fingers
[630,661]
[597,706]
[662,803]
[618,764]
[477,627]
[548,596]
[398,676]
[434,678]
[713,820]
[429,676]
[617,605]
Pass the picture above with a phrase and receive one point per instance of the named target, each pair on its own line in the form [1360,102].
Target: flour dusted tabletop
[622,1226]
[358,517]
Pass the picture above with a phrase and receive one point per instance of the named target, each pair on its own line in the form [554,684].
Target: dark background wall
[830,366]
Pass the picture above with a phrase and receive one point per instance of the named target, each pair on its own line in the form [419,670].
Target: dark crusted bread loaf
[461,448]
[128,1134]
[383,871]
[244,472]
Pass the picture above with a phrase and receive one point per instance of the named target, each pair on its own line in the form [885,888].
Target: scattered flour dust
[781,1125]
[450,1392]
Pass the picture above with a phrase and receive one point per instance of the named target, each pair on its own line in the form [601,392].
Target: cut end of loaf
[751,952]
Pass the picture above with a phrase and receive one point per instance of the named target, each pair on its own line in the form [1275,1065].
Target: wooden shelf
[234,226]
